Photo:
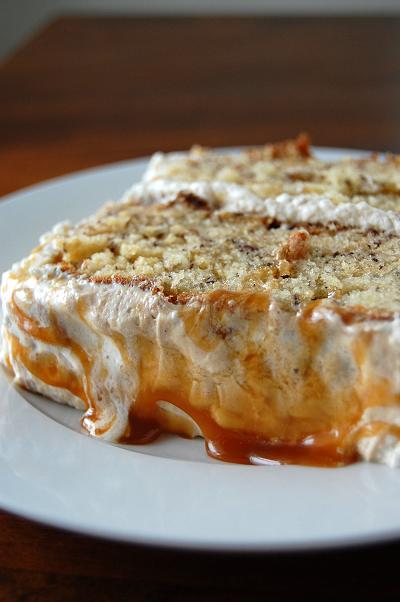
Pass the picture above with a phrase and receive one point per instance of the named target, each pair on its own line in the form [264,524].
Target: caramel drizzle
[147,422]
[379,429]
[146,425]
[46,367]
[174,384]
[331,447]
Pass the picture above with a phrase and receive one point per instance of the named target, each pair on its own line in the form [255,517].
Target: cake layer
[275,342]
[283,181]
[187,247]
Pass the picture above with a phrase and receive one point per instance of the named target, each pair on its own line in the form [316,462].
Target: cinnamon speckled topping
[185,248]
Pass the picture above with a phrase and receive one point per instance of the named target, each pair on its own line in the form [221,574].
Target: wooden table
[87,91]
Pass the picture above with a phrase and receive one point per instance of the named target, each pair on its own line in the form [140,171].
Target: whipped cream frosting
[301,208]
[160,184]
[382,446]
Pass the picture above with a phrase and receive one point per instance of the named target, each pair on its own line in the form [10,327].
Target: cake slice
[284,181]
[276,342]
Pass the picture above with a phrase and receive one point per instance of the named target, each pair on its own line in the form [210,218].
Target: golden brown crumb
[296,246]
[185,248]
[289,167]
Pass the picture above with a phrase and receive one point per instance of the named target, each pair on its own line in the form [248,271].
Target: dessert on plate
[189,310]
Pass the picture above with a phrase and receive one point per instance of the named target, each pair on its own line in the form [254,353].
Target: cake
[190,312]
[286,181]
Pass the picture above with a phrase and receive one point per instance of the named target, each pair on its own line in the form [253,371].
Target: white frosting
[314,209]
[308,208]
[384,446]
[159,161]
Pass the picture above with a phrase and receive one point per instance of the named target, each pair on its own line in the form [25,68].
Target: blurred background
[87,82]
[21,18]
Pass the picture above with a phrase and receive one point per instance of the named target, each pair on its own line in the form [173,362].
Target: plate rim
[385,536]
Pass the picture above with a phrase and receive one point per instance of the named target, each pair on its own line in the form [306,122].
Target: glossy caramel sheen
[254,426]
[45,366]
[147,421]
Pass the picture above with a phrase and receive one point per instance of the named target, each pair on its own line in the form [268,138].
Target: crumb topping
[186,248]
[289,167]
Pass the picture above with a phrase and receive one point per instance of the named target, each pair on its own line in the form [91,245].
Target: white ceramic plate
[168,493]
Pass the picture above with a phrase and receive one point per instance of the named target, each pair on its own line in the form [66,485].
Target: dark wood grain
[40,563]
[90,91]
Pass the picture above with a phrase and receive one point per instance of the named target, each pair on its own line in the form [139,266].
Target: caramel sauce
[378,428]
[147,421]
[8,362]
[333,440]
[198,317]
[46,367]
[236,446]
[373,391]
[247,428]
